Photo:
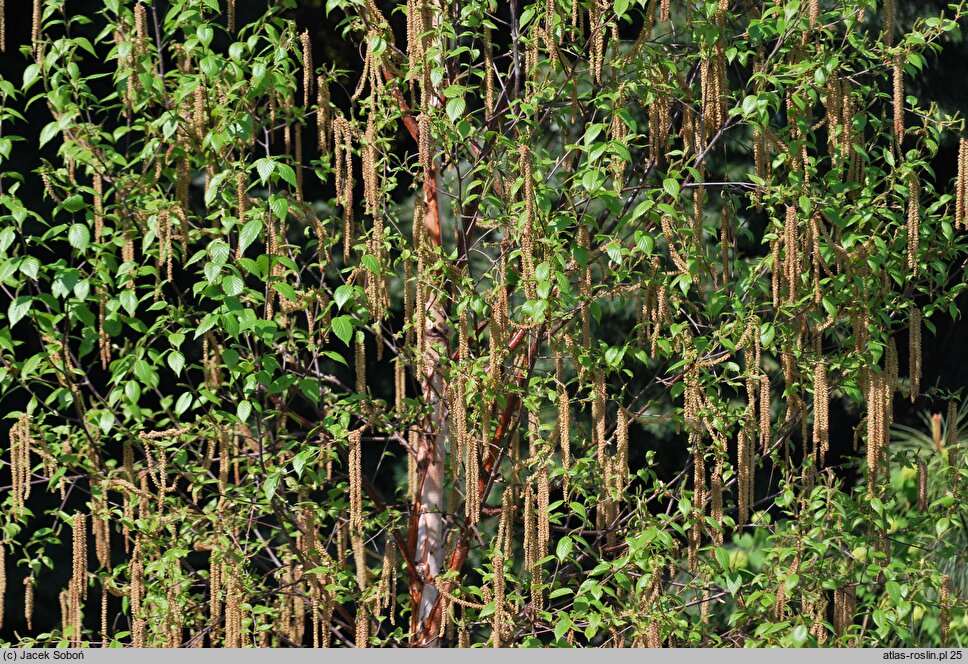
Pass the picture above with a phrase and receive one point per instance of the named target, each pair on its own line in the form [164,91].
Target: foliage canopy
[548,361]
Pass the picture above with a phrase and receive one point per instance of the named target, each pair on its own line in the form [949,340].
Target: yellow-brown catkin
[307,63]
[814,13]
[744,483]
[35,26]
[198,112]
[922,485]
[821,419]
[945,603]
[488,72]
[356,480]
[3,27]
[951,425]
[887,14]
[564,422]
[3,580]
[914,368]
[622,449]
[877,426]
[371,186]
[230,16]
[898,76]
[716,500]
[792,244]
[497,620]
[324,115]
[936,437]
[29,602]
[528,234]
[530,529]
[127,256]
[98,208]
[360,364]
[544,527]
[961,186]
[913,222]
[598,417]
[424,153]
[472,495]
[764,413]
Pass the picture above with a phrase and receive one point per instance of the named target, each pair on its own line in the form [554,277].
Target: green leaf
[176,361]
[342,327]
[248,234]
[671,187]
[342,295]
[205,34]
[184,401]
[272,482]
[264,167]
[286,173]
[232,285]
[562,626]
[79,236]
[18,309]
[129,301]
[30,267]
[219,251]
[455,108]
[73,203]
[279,206]
[243,410]
[564,548]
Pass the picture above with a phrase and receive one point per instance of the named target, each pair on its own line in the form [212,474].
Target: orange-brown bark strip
[495,451]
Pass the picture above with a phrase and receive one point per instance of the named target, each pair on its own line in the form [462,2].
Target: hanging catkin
[497,620]
[914,354]
[887,14]
[230,16]
[356,480]
[20,448]
[791,243]
[663,10]
[530,223]
[944,604]
[360,364]
[544,528]
[622,450]
[324,116]
[922,485]
[898,76]
[744,484]
[307,66]
[876,427]
[913,222]
[35,27]
[29,602]
[488,72]
[564,420]
[98,208]
[472,495]
[3,576]
[598,417]
[764,413]
[821,421]
[961,186]
[951,425]
[716,501]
